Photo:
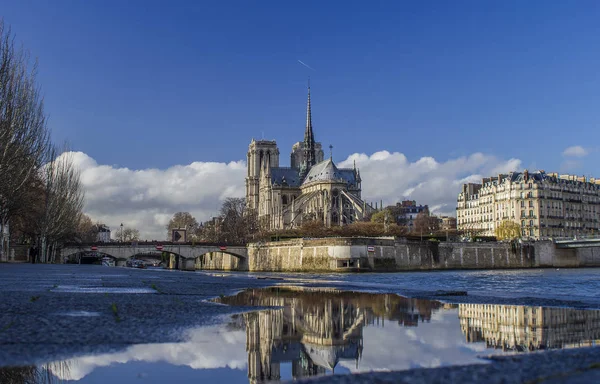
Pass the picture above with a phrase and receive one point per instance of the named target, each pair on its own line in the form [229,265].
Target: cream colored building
[312,188]
[544,205]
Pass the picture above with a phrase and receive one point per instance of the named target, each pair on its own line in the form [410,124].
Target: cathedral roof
[328,356]
[327,171]
[285,176]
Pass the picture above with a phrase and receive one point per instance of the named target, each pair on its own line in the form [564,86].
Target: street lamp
[122,232]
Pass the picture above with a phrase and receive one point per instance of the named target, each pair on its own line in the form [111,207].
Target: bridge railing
[576,238]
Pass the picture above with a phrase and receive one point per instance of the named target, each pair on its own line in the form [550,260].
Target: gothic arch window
[335,198]
[284,199]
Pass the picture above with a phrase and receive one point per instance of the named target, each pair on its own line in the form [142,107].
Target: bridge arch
[223,260]
[81,255]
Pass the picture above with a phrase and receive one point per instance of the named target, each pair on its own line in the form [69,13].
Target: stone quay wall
[398,254]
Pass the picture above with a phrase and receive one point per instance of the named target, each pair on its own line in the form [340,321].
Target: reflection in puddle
[79,314]
[521,328]
[317,332]
[88,289]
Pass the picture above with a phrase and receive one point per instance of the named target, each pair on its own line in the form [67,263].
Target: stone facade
[387,255]
[544,205]
[312,188]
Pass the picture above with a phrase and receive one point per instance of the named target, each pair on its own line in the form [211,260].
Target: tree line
[235,224]
[41,194]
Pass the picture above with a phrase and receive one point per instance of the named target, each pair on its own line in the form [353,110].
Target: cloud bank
[146,199]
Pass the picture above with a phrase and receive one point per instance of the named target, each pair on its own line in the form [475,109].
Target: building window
[522,223]
[531,213]
[531,223]
[531,204]
[284,200]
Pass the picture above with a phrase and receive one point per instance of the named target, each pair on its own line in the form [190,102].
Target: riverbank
[392,254]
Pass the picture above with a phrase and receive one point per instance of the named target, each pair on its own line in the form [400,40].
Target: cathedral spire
[308,133]
[310,157]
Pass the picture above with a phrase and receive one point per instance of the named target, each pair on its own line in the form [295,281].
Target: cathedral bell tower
[310,156]
[259,152]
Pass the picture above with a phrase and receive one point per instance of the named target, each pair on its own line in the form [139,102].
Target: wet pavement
[93,324]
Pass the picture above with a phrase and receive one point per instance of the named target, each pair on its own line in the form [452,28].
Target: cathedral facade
[312,188]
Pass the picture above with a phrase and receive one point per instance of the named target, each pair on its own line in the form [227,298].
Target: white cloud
[391,177]
[146,199]
[575,151]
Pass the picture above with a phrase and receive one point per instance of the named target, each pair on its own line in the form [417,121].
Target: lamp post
[122,232]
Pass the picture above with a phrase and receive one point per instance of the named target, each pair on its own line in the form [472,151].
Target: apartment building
[545,205]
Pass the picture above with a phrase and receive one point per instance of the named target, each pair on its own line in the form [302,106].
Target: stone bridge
[182,255]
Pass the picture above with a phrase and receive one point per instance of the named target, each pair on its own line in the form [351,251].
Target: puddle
[325,331]
[88,289]
[79,314]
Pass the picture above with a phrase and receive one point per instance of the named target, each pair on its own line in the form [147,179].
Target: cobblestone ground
[61,310]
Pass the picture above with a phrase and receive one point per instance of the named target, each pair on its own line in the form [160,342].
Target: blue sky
[453,91]
[154,83]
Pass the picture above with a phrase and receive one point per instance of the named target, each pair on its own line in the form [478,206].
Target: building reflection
[522,328]
[314,330]
[31,374]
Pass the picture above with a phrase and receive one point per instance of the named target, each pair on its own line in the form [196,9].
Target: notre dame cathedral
[312,188]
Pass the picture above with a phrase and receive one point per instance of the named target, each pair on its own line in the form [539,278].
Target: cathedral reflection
[314,330]
[522,328]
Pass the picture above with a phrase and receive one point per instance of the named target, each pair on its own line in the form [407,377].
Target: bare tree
[24,137]
[130,234]
[87,231]
[183,220]
[237,224]
[426,224]
[63,203]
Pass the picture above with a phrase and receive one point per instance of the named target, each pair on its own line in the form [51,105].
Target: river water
[310,325]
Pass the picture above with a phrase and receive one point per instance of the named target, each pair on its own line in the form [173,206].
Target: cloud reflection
[208,348]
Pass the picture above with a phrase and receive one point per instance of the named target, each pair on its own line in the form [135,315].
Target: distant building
[543,204]
[447,223]
[407,211]
[103,235]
